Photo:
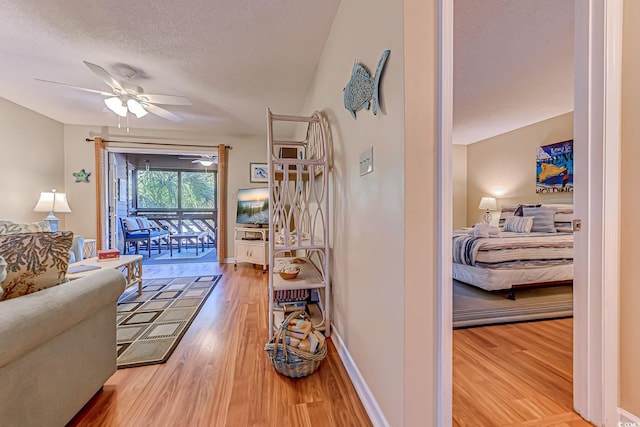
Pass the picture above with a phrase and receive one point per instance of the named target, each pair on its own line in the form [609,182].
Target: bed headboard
[563,217]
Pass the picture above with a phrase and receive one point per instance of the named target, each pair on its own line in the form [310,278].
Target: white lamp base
[53,221]
[487,217]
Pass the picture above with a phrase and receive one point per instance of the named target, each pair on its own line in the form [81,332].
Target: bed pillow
[35,261]
[506,211]
[519,212]
[543,219]
[563,218]
[518,224]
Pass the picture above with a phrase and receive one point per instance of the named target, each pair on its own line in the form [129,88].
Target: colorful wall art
[554,168]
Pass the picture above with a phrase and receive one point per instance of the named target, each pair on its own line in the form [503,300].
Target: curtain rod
[160,143]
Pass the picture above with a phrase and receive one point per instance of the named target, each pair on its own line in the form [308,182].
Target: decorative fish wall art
[362,89]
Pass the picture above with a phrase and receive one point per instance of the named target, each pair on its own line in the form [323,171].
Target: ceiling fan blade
[166,99]
[196,161]
[105,76]
[100,92]
[162,113]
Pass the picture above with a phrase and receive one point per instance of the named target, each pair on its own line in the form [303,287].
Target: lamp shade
[52,202]
[136,108]
[115,104]
[488,204]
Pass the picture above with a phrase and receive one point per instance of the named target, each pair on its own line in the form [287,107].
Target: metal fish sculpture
[362,89]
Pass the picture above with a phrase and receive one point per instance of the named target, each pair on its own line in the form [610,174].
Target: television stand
[251,245]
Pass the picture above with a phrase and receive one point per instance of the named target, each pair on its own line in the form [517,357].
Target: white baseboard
[229,261]
[627,419]
[369,402]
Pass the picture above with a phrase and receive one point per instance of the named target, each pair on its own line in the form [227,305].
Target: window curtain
[223,166]
[99,148]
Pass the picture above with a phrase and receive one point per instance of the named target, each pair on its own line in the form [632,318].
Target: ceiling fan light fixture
[136,108]
[116,105]
[206,163]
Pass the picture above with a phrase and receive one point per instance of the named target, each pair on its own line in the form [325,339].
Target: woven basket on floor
[291,361]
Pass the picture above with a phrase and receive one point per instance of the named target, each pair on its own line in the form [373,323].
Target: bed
[514,260]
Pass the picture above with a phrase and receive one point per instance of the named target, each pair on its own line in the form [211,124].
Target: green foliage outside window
[159,190]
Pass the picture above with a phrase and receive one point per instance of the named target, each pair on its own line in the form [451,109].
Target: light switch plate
[366,161]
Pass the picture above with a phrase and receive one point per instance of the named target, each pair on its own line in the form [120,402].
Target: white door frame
[598,33]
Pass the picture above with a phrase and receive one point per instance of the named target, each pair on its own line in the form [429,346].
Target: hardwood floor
[514,375]
[219,375]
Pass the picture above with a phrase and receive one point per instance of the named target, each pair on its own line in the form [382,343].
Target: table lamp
[52,202]
[488,204]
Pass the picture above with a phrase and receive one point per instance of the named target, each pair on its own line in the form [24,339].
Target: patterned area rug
[473,306]
[150,326]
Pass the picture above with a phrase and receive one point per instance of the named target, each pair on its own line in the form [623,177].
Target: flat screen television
[253,207]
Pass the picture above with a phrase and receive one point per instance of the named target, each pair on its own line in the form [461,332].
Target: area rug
[150,326]
[473,306]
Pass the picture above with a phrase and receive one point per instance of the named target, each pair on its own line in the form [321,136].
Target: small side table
[89,249]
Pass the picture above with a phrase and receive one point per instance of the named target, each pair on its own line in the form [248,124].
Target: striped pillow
[518,224]
[564,217]
[506,211]
[543,219]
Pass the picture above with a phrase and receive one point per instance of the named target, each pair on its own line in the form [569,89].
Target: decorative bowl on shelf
[289,272]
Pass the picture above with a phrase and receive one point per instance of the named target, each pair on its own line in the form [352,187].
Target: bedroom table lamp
[488,204]
[52,202]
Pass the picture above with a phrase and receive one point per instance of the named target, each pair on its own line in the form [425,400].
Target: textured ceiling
[513,65]
[513,59]
[232,58]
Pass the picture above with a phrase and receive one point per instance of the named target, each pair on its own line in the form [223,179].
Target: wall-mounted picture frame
[258,172]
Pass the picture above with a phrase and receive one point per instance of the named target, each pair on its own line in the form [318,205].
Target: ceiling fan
[205,160]
[126,97]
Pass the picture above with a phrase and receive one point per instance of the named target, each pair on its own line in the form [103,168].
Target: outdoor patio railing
[185,222]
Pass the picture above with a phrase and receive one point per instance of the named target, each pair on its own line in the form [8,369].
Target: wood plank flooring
[514,375]
[219,375]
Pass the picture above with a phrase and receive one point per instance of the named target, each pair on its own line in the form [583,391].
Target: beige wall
[368,226]
[630,205]
[80,154]
[459,171]
[32,161]
[507,162]
[369,233]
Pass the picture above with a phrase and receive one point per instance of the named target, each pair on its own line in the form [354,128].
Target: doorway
[596,130]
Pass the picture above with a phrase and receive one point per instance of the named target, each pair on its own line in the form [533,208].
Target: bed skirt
[496,279]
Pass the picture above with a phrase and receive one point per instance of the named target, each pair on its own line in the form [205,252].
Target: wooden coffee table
[130,265]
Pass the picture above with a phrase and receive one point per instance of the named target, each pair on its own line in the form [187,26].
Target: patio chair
[134,233]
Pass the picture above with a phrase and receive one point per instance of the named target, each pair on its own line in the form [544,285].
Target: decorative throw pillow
[518,224]
[542,219]
[519,212]
[35,261]
[506,211]
[9,227]
[132,224]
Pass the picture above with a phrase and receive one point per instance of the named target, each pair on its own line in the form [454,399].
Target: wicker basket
[291,361]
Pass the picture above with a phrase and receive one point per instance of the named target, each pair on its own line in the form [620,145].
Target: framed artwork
[258,172]
[554,168]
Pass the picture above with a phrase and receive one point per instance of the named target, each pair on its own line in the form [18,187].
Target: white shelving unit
[299,217]
[250,245]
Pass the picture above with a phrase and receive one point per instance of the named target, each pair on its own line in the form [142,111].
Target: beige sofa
[57,349]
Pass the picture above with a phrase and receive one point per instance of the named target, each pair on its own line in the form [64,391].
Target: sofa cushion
[35,261]
[10,227]
[3,272]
